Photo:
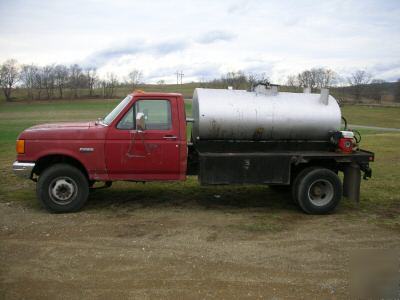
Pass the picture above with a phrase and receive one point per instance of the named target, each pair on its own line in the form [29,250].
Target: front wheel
[62,188]
[317,190]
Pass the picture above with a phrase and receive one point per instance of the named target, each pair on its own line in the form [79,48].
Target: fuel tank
[263,114]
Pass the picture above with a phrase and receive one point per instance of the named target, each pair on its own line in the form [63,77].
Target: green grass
[380,196]
[372,115]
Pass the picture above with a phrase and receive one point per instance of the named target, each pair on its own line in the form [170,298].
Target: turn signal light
[20,146]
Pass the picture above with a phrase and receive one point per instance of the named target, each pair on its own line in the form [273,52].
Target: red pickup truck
[144,139]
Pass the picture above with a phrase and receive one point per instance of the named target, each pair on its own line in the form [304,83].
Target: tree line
[53,81]
[74,81]
[357,85]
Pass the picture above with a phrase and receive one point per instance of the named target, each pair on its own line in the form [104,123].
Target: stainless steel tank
[263,115]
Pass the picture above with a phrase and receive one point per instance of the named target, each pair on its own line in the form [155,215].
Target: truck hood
[65,131]
[64,125]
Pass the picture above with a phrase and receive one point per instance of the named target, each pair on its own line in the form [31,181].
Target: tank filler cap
[324,98]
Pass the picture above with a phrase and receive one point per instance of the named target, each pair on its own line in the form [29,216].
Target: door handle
[170,137]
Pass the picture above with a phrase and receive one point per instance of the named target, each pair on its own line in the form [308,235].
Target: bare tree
[134,78]
[358,80]
[104,88]
[28,78]
[314,78]
[234,79]
[323,77]
[39,83]
[254,78]
[91,77]
[60,78]
[75,76]
[109,85]
[306,79]
[9,75]
[48,80]
[359,77]
[291,80]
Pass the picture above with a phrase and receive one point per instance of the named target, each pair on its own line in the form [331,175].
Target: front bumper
[23,169]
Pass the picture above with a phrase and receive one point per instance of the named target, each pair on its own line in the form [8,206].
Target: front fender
[90,154]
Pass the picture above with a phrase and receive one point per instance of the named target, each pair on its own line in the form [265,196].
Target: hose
[345,123]
[357,134]
[358,140]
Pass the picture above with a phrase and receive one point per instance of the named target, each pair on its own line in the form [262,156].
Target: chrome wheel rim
[321,192]
[63,190]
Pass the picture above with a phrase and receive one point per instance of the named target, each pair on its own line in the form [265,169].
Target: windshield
[115,112]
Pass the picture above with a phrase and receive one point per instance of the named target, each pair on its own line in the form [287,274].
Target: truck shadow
[132,196]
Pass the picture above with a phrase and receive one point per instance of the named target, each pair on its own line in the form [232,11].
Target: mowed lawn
[372,115]
[380,200]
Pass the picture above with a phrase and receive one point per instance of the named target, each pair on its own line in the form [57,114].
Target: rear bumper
[23,169]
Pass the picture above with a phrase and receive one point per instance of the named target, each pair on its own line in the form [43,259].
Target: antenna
[179,74]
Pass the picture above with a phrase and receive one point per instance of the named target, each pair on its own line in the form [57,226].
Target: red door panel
[152,154]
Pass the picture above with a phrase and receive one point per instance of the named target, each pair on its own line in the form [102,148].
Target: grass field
[372,115]
[181,240]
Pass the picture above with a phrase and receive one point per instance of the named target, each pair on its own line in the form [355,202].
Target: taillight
[20,147]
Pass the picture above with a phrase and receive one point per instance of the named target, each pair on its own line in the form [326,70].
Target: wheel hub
[321,192]
[62,190]
[317,191]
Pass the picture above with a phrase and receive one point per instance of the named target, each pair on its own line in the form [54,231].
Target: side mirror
[140,122]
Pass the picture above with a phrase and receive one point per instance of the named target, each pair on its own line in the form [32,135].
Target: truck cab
[142,139]
[146,138]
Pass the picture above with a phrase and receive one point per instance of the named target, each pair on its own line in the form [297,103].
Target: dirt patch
[174,251]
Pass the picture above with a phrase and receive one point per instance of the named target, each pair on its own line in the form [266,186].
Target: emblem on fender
[86,150]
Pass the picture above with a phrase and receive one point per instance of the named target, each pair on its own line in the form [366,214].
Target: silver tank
[263,115]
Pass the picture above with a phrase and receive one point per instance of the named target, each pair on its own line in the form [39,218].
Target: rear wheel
[317,190]
[62,188]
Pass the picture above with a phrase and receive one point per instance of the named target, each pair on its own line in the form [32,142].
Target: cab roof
[154,94]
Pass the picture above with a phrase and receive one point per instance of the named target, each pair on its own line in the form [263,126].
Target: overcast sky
[205,38]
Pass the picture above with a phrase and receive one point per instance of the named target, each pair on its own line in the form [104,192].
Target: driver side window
[157,115]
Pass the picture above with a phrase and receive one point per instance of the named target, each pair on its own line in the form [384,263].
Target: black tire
[62,188]
[297,178]
[317,190]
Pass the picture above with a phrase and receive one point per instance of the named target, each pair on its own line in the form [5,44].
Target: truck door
[151,154]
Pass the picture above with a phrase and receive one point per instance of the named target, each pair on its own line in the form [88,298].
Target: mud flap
[352,182]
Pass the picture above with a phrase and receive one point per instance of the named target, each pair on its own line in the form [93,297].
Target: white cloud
[205,38]
[215,36]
